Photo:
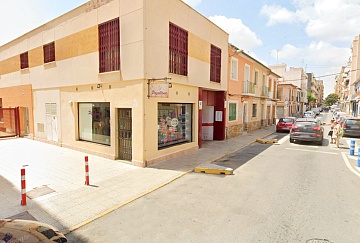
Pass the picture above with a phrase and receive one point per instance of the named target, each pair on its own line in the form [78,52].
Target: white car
[16,230]
[337,115]
[309,114]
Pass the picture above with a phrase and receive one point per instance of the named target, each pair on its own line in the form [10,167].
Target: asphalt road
[278,193]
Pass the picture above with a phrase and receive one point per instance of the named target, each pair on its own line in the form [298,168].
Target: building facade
[251,96]
[121,79]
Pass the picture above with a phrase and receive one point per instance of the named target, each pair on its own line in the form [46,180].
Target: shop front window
[174,124]
[94,122]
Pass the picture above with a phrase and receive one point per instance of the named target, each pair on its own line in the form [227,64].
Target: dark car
[285,124]
[351,127]
[307,129]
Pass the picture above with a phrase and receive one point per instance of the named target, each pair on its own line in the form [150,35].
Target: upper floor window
[178,50]
[49,52]
[109,46]
[215,64]
[24,60]
[246,72]
[234,69]
[256,78]
[264,80]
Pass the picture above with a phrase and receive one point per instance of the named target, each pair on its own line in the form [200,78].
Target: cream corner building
[142,101]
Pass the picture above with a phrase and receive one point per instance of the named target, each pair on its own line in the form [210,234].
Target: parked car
[16,230]
[309,114]
[351,127]
[284,124]
[342,118]
[307,129]
[316,111]
[337,114]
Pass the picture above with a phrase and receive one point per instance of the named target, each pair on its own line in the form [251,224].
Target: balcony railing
[249,87]
[265,91]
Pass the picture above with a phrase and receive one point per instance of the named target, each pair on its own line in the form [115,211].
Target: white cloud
[239,34]
[338,21]
[192,3]
[277,14]
[320,58]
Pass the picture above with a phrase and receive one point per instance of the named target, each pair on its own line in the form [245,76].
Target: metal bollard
[87,171]
[23,187]
[352,147]
[358,157]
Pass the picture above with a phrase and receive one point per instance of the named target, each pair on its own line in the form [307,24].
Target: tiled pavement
[112,183]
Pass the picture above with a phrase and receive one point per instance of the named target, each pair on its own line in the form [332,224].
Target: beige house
[251,94]
[288,95]
[138,81]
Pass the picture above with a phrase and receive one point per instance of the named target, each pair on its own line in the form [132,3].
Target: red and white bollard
[23,187]
[87,171]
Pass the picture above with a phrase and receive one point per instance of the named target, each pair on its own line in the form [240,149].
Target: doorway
[125,133]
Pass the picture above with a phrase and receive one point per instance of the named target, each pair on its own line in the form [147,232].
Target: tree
[331,99]
[310,99]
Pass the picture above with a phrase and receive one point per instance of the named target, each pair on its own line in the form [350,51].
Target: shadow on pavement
[241,156]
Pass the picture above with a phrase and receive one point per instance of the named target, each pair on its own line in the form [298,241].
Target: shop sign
[159,90]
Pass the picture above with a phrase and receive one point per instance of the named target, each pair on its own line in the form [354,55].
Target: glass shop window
[174,124]
[94,122]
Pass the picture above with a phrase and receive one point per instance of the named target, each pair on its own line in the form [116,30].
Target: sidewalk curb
[69,230]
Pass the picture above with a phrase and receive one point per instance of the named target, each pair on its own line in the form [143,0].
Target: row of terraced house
[138,81]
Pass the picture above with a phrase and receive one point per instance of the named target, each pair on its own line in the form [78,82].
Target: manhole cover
[318,241]
[39,191]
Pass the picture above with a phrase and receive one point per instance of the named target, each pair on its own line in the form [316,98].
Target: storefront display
[174,124]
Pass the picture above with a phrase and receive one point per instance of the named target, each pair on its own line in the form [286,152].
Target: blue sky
[313,34]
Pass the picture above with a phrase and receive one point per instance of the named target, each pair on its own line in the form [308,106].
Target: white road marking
[349,165]
[308,150]
[281,141]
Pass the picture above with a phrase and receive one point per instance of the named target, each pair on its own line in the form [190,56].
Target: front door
[51,122]
[125,133]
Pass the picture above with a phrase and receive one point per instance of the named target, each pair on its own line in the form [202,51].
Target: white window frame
[234,69]
[247,72]
[256,77]
[254,105]
[237,110]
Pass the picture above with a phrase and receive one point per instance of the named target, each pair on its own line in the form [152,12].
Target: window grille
[215,65]
[49,52]
[24,60]
[178,50]
[109,46]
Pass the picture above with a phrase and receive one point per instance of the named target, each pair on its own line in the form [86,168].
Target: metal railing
[249,87]
[265,91]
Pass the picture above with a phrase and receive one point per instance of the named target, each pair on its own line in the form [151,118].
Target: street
[278,193]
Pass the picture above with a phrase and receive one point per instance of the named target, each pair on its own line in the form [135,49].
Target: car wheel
[319,143]
[292,140]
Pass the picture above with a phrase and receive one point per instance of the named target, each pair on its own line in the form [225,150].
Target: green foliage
[331,99]
[310,97]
